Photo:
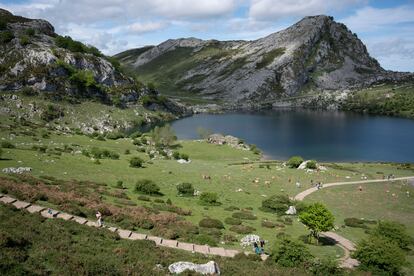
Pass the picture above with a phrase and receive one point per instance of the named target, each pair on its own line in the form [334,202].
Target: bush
[30,32]
[276,204]
[291,253]
[244,215]
[119,184]
[186,189]
[231,208]
[83,79]
[380,256]
[7,145]
[147,186]
[211,223]
[354,222]
[185,156]
[205,239]
[98,153]
[24,40]
[158,200]
[294,162]
[242,229]
[233,221]
[176,155]
[268,224]
[51,112]
[114,135]
[136,162]
[207,198]
[135,135]
[325,267]
[394,232]
[311,164]
[6,36]
[127,151]
[144,198]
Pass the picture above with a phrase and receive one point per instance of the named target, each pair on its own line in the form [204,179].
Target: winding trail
[347,245]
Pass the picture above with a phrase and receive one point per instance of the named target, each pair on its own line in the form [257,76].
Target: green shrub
[147,186]
[277,204]
[135,134]
[242,229]
[205,239]
[186,189]
[30,32]
[83,79]
[231,208]
[354,222]
[185,156]
[394,232]
[127,151]
[158,200]
[6,36]
[211,223]
[311,164]
[24,40]
[136,162]
[233,221]
[211,199]
[143,198]
[176,155]
[268,224]
[119,184]
[244,215]
[294,162]
[325,267]
[51,113]
[7,145]
[115,135]
[98,153]
[290,253]
[379,255]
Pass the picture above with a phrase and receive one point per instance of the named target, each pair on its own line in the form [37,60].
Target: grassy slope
[374,202]
[30,244]
[385,99]
[206,159]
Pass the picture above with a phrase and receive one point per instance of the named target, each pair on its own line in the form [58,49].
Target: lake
[320,135]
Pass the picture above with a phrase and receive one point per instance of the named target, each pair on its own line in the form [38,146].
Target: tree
[380,256]
[318,219]
[204,133]
[294,162]
[164,136]
[186,189]
[147,186]
[290,253]
[136,162]
[209,198]
[393,231]
[311,164]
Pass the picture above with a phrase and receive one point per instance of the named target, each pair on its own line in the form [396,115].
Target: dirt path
[347,245]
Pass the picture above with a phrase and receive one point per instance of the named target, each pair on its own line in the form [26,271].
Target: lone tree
[318,219]
[163,136]
[294,162]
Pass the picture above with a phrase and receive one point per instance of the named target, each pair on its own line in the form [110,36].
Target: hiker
[256,248]
[262,244]
[99,217]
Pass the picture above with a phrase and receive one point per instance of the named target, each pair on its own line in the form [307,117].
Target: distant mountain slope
[314,55]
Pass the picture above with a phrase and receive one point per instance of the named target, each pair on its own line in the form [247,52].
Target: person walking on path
[99,218]
[262,244]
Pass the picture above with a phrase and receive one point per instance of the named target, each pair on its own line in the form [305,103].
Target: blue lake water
[320,135]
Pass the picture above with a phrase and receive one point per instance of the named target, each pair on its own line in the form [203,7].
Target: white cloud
[140,27]
[370,19]
[276,9]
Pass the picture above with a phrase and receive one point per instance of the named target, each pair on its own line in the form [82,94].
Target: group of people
[259,250]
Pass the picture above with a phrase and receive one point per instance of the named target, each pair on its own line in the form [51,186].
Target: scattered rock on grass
[210,268]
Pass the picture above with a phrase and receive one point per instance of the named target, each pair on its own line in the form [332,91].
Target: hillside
[39,67]
[314,55]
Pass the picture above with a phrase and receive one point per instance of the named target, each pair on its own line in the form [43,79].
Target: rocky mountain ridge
[314,55]
[36,59]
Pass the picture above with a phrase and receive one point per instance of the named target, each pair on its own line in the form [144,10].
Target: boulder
[18,170]
[249,240]
[210,268]
[291,211]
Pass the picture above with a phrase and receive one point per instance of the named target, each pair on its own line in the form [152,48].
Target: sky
[385,26]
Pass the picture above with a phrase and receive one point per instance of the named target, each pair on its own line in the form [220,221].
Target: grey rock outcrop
[210,268]
[18,170]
